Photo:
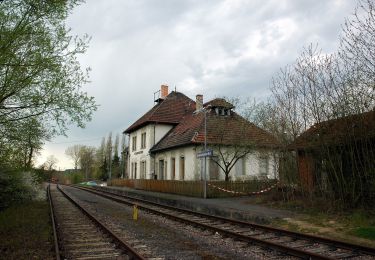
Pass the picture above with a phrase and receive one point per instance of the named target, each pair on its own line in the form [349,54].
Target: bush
[77,178]
[17,187]
[40,175]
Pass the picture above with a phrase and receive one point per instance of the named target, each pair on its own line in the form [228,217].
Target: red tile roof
[337,131]
[169,111]
[227,130]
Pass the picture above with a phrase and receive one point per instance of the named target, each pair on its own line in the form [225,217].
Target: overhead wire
[77,141]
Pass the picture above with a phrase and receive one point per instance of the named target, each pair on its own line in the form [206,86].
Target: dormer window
[220,106]
[220,111]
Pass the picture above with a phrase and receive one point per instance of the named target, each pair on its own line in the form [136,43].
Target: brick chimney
[199,102]
[163,91]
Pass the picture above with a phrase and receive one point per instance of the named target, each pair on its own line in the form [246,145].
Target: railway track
[79,235]
[290,243]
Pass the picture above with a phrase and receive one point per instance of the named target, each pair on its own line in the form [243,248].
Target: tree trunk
[226,176]
[28,165]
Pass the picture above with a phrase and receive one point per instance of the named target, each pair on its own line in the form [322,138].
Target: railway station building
[166,141]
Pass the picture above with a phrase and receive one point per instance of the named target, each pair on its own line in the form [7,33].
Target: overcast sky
[215,48]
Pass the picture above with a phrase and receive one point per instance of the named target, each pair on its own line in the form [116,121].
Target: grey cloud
[217,48]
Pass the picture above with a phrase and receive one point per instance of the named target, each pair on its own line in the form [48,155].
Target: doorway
[161,169]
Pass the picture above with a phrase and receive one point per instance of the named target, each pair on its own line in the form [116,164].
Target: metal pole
[205,158]
[110,163]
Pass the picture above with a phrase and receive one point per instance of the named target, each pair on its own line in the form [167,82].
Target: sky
[217,48]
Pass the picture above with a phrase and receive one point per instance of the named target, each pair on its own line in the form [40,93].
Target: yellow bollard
[135,212]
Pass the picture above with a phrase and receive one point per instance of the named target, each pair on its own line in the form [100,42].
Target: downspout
[127,170]
[153,177]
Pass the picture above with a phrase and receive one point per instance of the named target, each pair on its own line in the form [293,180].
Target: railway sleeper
[82,240]
[102,257]
[83,245]
[90,251]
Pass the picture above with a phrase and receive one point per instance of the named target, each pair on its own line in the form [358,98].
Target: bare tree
[123,155]
[50,163]
[109,154]
[227,156]
[87,159]
[74,153]
[116,158]
[116,146]
[101,163]
[358,44]
[227,134]
[320,91]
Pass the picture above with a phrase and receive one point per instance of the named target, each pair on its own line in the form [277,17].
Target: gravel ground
[162,238]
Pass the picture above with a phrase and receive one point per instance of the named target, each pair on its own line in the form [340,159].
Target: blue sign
[206,153]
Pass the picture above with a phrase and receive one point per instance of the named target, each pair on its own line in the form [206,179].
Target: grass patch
[365,232]
[314,215]
[25,232]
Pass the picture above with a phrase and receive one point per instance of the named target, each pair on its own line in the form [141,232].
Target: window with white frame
[134,170]
[173,168]
[143,141]
[134,143]
[143,170]
[182,168]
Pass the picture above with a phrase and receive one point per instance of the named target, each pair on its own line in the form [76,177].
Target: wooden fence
[195,188]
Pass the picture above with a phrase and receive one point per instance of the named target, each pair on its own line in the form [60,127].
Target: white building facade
[141,165]
[165,142]
[183,164]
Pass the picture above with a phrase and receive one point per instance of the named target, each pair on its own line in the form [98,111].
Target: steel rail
[132,253]
[323,240]
[263,243]
[51,206]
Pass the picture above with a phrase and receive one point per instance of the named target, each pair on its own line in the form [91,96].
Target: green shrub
[41,175]
[365,232]
[16,187]
[77,178]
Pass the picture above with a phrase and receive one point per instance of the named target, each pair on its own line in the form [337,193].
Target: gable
[168,111]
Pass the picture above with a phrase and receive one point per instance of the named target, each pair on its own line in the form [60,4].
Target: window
[263,166]
[165,170]
[220,111]
[161,169]
[214,168]
[182,168]
[173,168]
[134,170]
[131,171]
[143,141]
[239,167]
[143,170]
[134,143]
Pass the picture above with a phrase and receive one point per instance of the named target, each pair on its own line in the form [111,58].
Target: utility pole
[205,158]
[110,165]
[206,153]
